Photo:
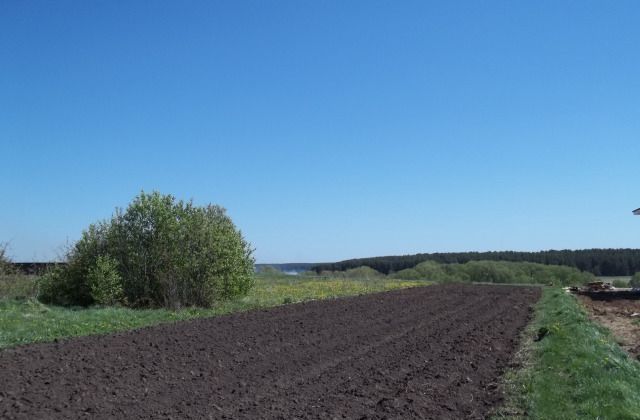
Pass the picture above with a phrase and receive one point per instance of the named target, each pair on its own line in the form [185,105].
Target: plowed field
[433,352]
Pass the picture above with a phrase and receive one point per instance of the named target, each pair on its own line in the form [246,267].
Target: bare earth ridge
[432,352]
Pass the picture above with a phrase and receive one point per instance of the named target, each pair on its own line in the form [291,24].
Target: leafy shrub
[488,272]
[165,252]
[105,282]
[47,285]
[429,270]
[619,283]
[433,271]
[13,283]
[407,274]
[635,280]
[65,286]
[5,262]
[362,272]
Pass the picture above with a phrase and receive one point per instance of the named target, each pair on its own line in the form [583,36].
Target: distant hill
[288,267]
[601,262]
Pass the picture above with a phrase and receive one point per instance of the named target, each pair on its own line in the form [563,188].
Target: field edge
[27,321]
[567,366]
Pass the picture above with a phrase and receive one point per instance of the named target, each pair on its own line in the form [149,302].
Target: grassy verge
[576,371]
[25,320]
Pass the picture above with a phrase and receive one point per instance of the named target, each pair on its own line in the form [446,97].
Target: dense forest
[601,262]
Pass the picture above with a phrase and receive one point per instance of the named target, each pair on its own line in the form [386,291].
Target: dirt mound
[434,352]
[621,316]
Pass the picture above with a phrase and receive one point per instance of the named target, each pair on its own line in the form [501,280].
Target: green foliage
[48,286]
[576,371]
[495,272]
[167,253]
[17,286]
[619,283]
[441,273]
[65,286]
[364,272]
[433,271]
[490,272]
[407,274]
[14,284]
[476,271]
[105,282]
[5,261]
[635,280]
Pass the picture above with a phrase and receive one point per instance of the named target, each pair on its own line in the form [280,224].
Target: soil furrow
[431,352]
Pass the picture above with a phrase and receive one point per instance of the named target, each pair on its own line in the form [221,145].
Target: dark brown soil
[621,317]
[434,352]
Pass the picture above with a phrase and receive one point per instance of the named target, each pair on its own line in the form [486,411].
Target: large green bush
[157,252]
[635,280]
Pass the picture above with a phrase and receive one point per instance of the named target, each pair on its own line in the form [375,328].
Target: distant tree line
[600,262]
[286,267]
[507,272]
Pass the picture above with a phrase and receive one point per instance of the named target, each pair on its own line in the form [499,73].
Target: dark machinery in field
[599,290]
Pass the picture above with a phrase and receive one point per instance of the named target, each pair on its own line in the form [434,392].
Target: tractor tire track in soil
[431,352]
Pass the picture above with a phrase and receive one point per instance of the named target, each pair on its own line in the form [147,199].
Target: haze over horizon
[329,130]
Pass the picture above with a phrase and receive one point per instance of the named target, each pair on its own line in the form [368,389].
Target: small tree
[635,280]
[6,266]
[105,282]
[158,252]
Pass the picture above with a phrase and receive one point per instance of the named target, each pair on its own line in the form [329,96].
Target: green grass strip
[25,321]
[577,371]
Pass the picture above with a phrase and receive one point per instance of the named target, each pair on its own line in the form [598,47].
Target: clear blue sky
[328,129]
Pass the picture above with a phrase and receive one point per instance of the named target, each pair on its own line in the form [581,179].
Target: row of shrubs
[478,271]
[363,272]
[497,272]
[159,252]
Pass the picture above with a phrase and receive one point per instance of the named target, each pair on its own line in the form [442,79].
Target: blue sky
[328,129]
